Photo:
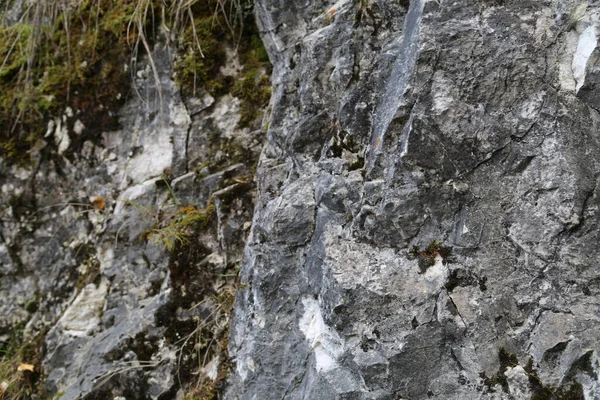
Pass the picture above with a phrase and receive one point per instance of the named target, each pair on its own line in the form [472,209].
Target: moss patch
[572,390]
[202,55]
[507,360]
[76,57]
[254,90]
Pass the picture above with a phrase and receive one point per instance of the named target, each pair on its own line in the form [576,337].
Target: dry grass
[42,58]
[19,367]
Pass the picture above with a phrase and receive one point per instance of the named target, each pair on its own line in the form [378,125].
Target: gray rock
[82,267]
[396,124]
[425,227]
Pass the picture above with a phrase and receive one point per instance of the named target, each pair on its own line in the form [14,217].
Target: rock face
[119,253]
[466,131]
[425,227]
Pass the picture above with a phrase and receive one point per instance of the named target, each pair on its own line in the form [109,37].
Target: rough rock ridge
[467,131]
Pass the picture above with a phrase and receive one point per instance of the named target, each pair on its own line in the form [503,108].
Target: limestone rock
[83,268]
[472,124]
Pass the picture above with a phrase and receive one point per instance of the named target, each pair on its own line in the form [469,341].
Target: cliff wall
[427,216]
[415,217]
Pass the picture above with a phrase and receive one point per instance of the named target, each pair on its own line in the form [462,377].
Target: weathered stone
[402,123]
[83,268]
[396,129]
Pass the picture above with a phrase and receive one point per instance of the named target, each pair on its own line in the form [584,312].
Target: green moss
[507,359]
[202,55]
[32,305]
[254,90]
[76,60]
[13,50]
[254,87]
[79,59]
[258,49]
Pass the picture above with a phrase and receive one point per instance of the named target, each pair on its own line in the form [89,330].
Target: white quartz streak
[586,45]
[324,341]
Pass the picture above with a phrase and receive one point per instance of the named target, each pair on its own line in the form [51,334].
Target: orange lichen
[99,203]
[377,143]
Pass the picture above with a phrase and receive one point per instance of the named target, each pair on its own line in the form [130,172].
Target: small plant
[176,227]
[329,16]
[426,257]
[179,227]
[18,367]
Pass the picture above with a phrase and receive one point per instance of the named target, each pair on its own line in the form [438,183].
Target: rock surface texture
[474,124]
[119,252]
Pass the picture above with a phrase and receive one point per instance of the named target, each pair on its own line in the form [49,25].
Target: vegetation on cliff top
[57,57]
[80,60]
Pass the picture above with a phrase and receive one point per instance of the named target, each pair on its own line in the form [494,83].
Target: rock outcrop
[119,250]
[427,217]
[424,227]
